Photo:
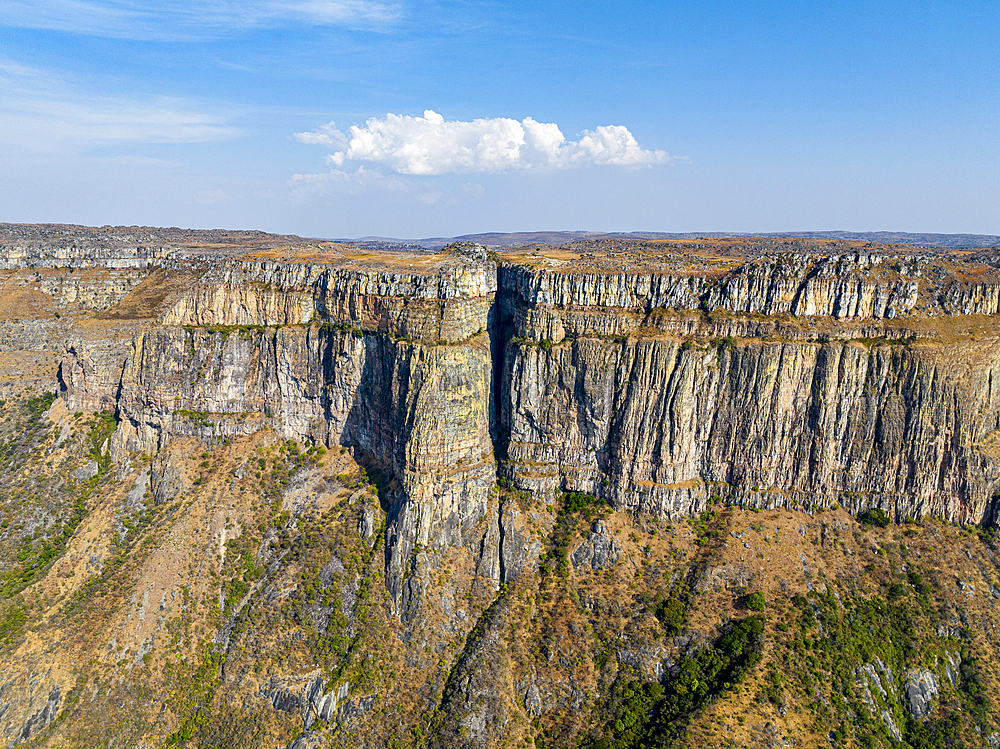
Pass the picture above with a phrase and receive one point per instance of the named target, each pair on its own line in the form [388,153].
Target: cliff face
[800,383]
[334,475]
[844,286]
[660,392]
[420,413]
[769,381]
[449,305]
[658,426]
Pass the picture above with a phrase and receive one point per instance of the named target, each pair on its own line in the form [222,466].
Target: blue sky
[453,117]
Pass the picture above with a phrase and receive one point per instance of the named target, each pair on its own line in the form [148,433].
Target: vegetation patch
[874,516]
[654,714]
[69,501]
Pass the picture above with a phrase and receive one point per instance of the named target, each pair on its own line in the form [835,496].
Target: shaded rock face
[659,426]
[420,412]
[474,706]
[43,717]
[519,547]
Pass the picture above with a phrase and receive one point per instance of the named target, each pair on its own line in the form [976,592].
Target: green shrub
[874,516]
[897,591]
[671,612]
[576,501]
[756,602]
[917,581]
[12,620]
[648,714]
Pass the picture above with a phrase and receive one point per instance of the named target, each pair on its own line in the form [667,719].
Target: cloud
[431,145]
[190,19]
[473,189]
[328,135]
[360,181]
[41,111]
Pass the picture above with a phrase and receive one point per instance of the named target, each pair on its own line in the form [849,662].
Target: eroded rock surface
[665,379]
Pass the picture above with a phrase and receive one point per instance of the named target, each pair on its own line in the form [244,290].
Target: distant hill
[495,239]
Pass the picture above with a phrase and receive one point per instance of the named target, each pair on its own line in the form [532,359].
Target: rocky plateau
[266,491]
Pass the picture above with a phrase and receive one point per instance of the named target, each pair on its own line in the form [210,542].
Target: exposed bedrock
[794,381]
[849,286]
[421,413]
[447,306]
[660,425]
[626,404]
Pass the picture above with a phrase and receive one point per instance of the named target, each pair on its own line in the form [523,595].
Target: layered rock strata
[421,413]
[854,378]
[450,305]
[849,286]
[799,381]
[658,426]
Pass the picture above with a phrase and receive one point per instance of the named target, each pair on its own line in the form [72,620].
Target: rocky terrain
[266,491]
[511,239]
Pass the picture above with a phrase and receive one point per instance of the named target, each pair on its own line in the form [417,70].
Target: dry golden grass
[21,299]
[348,256]
[152,298]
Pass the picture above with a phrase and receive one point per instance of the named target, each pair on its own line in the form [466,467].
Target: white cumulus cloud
[364,181]
[431,145]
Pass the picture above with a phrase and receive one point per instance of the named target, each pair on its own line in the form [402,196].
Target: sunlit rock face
[658,377]
[333,441]
[655,381]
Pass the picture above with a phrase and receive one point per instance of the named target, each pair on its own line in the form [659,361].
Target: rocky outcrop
[519,547]
[474,709]
[17,255]
[43,717]
[877,687]
[921,690]
[305,697]
[450,305]
[90,290]
[597,552]
[847,286]
[85,384]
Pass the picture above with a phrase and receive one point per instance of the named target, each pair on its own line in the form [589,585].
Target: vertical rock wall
[420,412]
[657,425]
[577,381]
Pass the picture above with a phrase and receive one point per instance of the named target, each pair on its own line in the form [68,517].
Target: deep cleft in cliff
[662,377]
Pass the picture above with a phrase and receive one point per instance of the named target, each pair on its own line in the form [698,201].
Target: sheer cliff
[861,379]
[367,456]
